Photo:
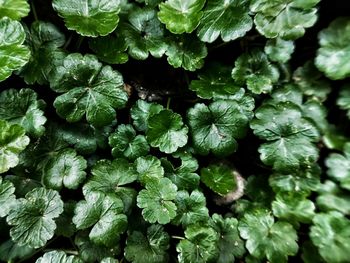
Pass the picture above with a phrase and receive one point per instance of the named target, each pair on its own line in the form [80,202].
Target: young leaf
[279,50]
[293,208]
[339,167]
[331,235]
[89,89]
[217,126]
[156,201]
[104,213]
[226,18]
[344,99]
[215,83]
[191,208]
[14,9]
[186,51]
[7,197]
[111,178]
[167,131]
[141,111]
[199,245]
[181,16]
[282,18]
[67,169]
[144,34]
[127,144]
[57,257]
[13,141]
[22,107]
[89,18]
[266,238]
[14,54]
[44,40]
[184,176]
[331,57]
[149,248]
[254,70]
[219,178]
[33,217]
[148,168]
[110,49]
[230,244]
[312,82]
[290,136]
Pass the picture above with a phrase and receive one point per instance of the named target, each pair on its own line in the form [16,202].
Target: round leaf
[14,9]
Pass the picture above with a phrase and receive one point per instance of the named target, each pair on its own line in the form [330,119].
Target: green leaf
[10,251]
[13,54]
[331,57]
[279,50]
[181,16]
[89,89]
[167,131]
[14,9]
[57,257]
[310,253]
[191,208]
[254,70]
[343,100]
[104,214]
[144,34]
[282,18]
[226,18]
[110,49]
[332,198]
[149,248]
[22,107]
[90,252]
[156,201]
[148,168]
[12,142]
[293,208]
[215,83]
[127,144]
[141,111]
[217,126]
[312,82]
[339,167]
[230,244]
[302,181]
[84,137]
[44,40]
[290,136]
[266,238]
[33,217]
[67,169]
[199,245]
[331,235]
[112,178]
[89,18]
[7,197]
[219,178]
[183,176]
[186,51]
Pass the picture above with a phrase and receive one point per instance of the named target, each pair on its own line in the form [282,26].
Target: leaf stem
[178,237]
[79,42]
[168,103]
[68,41]
[34,11]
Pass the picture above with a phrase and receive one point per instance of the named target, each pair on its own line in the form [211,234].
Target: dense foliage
[174,131]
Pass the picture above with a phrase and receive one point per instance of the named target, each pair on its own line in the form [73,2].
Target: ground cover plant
[174,131]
